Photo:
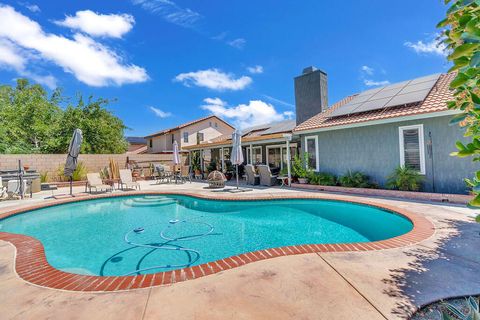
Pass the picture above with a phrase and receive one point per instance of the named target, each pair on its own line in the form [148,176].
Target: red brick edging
[32,266]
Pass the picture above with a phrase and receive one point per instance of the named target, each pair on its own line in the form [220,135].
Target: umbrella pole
[236,168]
[71,186]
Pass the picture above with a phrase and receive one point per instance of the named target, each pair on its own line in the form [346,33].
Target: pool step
[148,202]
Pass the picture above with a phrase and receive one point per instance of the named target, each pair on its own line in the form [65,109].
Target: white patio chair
[126,180]
[95,181]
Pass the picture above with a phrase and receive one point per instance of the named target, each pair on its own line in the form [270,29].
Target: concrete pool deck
[385,284]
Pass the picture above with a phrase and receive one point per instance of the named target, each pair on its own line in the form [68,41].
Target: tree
[461,35]
[31,121]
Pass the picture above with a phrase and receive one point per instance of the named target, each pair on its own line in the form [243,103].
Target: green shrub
[79,174]
[355,179]
[44,177]
[322,178]
[299,168]
[212,166]
[405,179]
[477,218]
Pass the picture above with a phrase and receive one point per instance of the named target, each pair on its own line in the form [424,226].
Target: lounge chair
[252,177]
[266,176]
[94,181]
[3,190]
[126,180]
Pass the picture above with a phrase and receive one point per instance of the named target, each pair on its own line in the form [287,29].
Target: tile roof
[434,102]
[186,124]
[266,131]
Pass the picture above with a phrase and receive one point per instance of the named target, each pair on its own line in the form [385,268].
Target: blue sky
[171,61]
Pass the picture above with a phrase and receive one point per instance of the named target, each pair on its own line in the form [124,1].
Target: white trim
[421,145]
[382,121]
[317,153]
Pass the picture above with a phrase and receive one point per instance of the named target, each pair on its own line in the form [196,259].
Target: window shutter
[411,147]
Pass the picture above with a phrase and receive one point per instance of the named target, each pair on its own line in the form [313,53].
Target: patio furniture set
[94,181]
[263,176]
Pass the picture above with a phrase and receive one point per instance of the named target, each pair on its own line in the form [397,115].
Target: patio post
[251,154]
[201,160]
[288,137]
[222,157]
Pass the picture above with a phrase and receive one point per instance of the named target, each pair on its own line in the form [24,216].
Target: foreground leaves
[461,35]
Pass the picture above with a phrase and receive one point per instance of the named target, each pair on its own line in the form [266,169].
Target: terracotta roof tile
[434,102]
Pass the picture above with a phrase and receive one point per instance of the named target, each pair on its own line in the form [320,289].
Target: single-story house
[188,134]
[375,131]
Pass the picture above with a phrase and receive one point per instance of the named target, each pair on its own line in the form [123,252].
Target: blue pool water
[147,234]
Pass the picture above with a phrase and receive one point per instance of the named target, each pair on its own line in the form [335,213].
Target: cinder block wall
[94,162]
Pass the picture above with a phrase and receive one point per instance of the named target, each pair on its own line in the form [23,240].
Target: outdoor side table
[283,180]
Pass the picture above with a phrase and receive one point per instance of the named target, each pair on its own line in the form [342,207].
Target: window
[257,155]
[199,137]
[150,143]
[173,138]
[185,137]
[311,148]
[216,125]
[412,154]
[274,157]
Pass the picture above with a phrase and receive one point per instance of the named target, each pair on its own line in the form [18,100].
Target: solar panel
[396,94]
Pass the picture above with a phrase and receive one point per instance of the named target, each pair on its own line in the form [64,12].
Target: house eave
[381,121]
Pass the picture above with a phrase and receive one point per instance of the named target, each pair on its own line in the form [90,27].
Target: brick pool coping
[32,266]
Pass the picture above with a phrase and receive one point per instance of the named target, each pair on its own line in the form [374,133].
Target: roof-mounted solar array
[396,94]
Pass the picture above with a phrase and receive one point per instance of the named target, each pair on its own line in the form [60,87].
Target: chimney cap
[309,69]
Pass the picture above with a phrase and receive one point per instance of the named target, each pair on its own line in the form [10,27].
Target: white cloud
[48,80]
[159,113]
[245,115]
[373,83]
[170,12]
[213,79]
[99,25]
[32,7]
[237,43]
[89,61]
[368,70]
[10,57]
[255,69]
[434,46]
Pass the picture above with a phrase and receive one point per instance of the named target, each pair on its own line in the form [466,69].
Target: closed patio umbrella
[237,154]
[73,152]
[176,157]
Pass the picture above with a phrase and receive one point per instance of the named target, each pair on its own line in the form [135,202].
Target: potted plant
[196,163]
[300,170]
[229,170]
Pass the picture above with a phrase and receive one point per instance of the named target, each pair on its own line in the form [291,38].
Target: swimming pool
[145,234]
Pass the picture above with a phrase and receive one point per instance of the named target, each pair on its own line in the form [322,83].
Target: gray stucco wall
[375,151]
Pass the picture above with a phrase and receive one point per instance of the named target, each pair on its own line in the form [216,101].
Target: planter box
[412,195]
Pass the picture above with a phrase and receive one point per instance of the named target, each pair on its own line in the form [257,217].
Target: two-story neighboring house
[188,134]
